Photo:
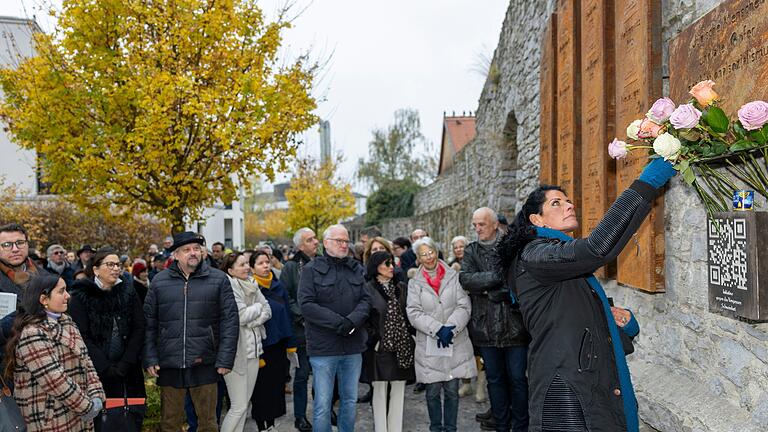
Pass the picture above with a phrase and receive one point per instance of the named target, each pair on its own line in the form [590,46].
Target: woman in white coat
[439,310]
[254,311]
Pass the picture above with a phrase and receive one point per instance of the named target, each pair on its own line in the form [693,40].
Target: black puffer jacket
[495,321]
[331,289]
[96,312]
[190,322]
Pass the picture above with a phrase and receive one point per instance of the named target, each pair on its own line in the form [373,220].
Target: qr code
[727,246]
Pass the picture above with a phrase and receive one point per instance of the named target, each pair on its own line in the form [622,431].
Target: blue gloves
[657,172]
[445,336]
[96,406]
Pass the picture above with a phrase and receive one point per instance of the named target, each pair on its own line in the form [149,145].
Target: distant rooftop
[458,131]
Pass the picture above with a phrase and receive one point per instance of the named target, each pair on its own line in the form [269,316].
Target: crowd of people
[517,312]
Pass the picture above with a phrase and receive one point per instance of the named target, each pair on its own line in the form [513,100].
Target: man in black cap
[192,332]
[83,255]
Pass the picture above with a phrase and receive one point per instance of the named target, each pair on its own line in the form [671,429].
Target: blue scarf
[632,328]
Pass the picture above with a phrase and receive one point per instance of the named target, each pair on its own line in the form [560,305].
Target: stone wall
[693,370]
[486,172]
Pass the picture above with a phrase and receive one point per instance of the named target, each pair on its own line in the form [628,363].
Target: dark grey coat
[331,289]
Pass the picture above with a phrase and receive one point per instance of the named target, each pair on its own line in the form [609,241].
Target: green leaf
[716,119]
[759,135]
[682,165]
[740,146]
[719,148]
[688,176]
[739,129]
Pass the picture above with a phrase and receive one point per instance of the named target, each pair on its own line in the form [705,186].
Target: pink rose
[661,110]
[703,93]
[685,117]
[617,149]
[649,129]
[753,115]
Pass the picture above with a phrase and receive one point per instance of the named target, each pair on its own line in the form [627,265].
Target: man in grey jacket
[192,333]
[335,305]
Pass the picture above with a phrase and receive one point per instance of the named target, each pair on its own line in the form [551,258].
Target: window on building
[228,233]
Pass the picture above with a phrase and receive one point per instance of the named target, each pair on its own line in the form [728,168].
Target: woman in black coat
[578,374]
[388,361]
[109,315]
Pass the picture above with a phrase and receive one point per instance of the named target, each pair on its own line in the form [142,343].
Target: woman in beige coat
[439,310]
[253,311]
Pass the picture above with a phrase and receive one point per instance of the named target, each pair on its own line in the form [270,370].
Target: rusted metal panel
[728,45]
[638,85]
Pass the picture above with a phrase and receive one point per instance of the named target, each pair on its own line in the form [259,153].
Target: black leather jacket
[495,321]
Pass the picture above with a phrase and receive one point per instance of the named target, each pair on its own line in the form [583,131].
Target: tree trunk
[177,221]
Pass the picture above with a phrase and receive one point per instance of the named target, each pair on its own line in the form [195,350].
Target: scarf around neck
[21,276]
[625,381]
[394,336]
[435,283]
[248,287]
[265,282]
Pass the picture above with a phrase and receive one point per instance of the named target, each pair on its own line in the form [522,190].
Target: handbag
[11,419]
[121,414]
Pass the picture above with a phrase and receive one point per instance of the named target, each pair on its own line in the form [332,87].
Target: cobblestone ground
[415,417]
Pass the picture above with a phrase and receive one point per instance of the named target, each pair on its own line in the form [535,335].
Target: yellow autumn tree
[158,105]
[317,198]
[266,225]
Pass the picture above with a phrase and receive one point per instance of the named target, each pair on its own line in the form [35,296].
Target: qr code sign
[727,245]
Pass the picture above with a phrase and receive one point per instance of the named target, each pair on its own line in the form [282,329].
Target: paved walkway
[416,418]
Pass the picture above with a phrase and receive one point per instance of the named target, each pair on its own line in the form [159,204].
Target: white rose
[633,129]
[667,146]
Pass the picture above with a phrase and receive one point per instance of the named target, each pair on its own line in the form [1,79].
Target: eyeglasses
[9,245]
[340,242]
[111,265]
[388,263]
[59,252]
[427,253]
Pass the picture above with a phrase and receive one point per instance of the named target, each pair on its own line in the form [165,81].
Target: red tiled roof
[457,132]
[460,129]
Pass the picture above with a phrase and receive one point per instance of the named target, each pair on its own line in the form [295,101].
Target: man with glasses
[58,265]
[15,270]
[192,332]
[15,265]
[335,306]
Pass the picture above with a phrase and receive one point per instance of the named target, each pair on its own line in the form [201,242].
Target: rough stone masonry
[693,370]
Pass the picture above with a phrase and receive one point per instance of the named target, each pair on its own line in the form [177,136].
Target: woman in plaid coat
[56,386]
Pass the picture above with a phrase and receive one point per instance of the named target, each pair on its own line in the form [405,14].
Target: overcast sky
[384,55]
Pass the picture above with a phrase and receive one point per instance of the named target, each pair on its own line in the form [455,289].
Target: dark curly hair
[522,231]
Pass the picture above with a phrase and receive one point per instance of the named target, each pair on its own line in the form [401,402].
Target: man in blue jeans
[496,329]
[335,304]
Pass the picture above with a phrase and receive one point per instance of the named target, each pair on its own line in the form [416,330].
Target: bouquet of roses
[703,144]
